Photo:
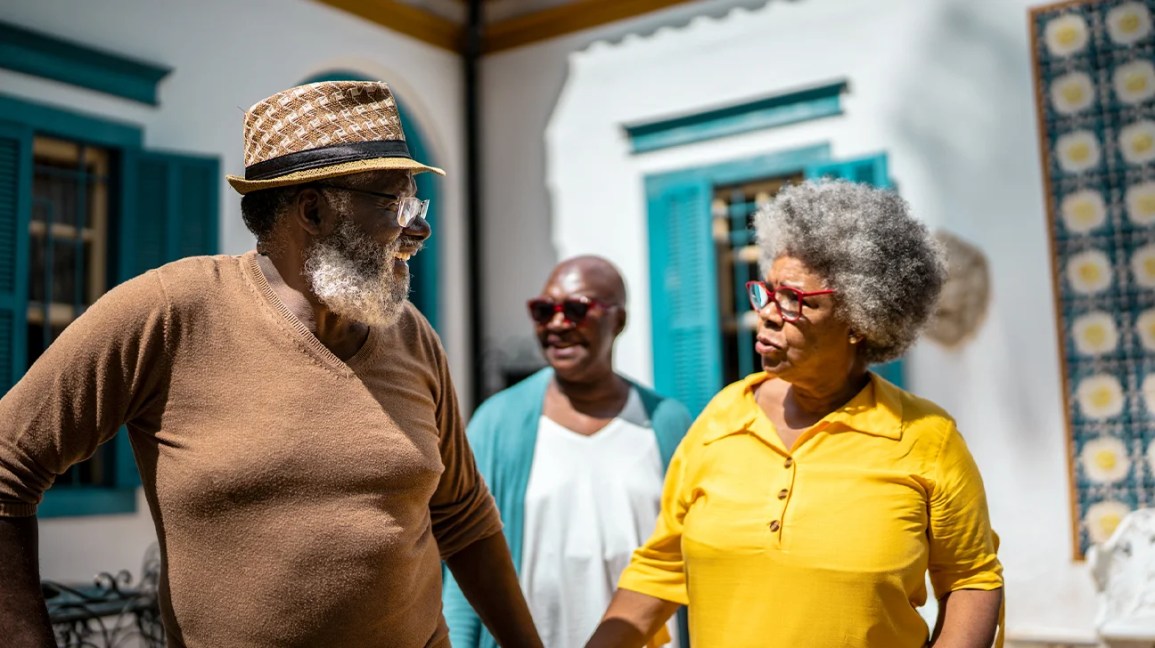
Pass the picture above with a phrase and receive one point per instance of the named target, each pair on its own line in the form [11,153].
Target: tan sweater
[299,500]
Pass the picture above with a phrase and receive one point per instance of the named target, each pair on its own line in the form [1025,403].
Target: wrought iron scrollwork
[110,612]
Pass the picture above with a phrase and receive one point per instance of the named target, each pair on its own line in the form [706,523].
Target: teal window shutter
[871,170]
[168,207]
[171,204]
[683,290]
[170,210]
[15,210]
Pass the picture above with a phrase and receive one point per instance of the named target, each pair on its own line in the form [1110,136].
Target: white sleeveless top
[591,500]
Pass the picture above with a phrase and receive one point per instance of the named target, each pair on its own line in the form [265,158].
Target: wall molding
[69,124]
[49,57]
[767,112]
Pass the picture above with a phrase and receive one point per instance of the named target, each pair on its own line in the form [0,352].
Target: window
[82,208]
[702,254]
[733,209]
[68,258]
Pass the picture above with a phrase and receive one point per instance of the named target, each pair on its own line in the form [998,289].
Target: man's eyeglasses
[574,309]
[406,208]
[788,300]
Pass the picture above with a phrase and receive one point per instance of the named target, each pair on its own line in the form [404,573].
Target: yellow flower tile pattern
[1095,68]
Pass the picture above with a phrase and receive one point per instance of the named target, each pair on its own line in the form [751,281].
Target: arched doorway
[424,266]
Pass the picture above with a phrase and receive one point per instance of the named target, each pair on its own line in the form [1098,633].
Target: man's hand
[23,615]
[485,573]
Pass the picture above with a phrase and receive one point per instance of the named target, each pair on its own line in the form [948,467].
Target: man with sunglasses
[575,456]
[292,414]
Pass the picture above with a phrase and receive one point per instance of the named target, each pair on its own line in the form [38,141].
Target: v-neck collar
[298,329]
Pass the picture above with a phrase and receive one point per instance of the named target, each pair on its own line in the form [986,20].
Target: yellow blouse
[825,544]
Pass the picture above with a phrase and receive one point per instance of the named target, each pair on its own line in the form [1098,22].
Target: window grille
[68,255]
[732,211]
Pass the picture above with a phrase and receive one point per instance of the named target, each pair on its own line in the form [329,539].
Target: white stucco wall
[226,55]
[520,90]
[945,89]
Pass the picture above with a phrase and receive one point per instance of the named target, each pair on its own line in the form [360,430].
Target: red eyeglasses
[574,309]
[788,300]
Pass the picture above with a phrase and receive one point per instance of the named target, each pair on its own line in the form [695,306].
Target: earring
[854,339]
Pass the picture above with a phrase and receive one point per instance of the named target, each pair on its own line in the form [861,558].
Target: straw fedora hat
[323,130]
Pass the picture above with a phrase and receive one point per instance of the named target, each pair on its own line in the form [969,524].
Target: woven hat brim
[345,168]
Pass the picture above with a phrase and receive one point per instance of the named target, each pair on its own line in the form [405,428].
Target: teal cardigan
[503,434]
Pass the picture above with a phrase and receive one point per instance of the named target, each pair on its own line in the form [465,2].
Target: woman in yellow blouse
[808,502]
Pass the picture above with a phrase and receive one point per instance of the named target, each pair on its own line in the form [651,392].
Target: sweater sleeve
[101,373]
[462,509]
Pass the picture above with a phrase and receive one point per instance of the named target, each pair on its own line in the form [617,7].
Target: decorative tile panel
[1095,93]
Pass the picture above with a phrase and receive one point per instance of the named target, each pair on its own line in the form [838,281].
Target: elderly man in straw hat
[292,415]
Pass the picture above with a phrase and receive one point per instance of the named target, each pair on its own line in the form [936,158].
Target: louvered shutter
[686,328]
[15,193]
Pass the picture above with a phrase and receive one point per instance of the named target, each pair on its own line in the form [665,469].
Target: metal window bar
[63,193]
[737,253]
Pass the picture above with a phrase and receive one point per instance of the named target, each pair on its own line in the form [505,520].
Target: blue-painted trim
[426,265]
[30,117]
[670,372]
[49,120]
[737,171]
[768,112]
[16,300]
[73,501]
[50,57]
[704,179]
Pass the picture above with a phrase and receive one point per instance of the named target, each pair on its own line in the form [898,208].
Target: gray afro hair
[886,269]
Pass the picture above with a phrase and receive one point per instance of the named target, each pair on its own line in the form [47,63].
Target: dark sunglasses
[574,309]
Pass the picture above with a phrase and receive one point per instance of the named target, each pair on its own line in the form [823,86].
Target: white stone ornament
[1123,569]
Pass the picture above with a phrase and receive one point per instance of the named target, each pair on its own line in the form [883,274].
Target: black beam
[471,56]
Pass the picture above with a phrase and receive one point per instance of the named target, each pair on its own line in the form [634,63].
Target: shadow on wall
[510,353]
[967,117]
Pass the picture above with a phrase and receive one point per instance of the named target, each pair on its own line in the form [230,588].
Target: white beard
[353,276]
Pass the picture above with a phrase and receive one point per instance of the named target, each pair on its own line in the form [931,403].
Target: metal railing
[112,612]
